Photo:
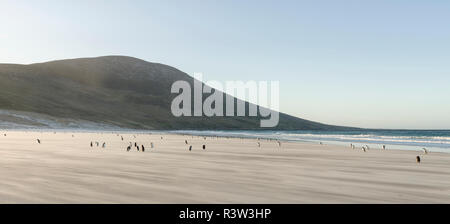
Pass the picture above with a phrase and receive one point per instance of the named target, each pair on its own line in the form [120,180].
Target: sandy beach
[64,168]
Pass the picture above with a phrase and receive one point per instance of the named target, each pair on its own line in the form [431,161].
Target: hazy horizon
[372,65]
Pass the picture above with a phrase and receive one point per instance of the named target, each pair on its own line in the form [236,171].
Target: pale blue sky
[378,64]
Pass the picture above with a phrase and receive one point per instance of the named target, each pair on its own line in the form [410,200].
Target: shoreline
[63,168]
[233,134]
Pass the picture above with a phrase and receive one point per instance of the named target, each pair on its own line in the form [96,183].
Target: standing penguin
[39,141]
[418,159]
[143,148]
[190,148]
[204,147]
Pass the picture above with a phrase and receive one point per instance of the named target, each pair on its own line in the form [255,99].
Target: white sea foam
[416,140]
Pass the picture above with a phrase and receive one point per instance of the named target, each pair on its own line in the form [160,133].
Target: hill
[113,91]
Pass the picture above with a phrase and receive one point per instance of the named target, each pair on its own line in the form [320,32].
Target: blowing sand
[65,169]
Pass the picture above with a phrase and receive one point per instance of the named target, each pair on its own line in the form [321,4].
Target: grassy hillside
[113,90]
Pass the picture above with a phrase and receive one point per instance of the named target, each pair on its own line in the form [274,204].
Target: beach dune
[64,168]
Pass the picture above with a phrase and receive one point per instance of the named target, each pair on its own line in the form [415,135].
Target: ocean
[433,140]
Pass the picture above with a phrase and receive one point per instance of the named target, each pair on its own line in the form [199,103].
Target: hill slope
[116,91]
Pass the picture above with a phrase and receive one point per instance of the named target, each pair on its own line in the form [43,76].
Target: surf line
[256,93]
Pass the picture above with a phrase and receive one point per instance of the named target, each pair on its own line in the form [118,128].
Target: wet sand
[65,169]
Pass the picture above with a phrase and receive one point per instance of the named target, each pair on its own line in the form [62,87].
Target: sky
[372,64]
